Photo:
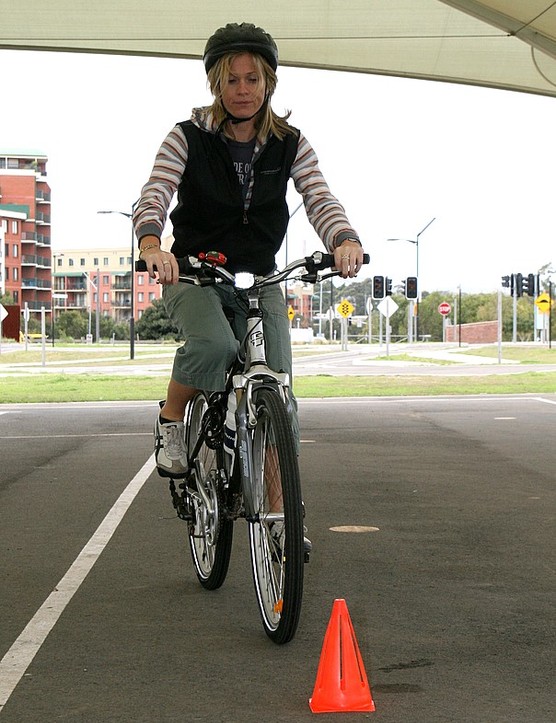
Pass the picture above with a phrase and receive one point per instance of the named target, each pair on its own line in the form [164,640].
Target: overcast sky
[396,152]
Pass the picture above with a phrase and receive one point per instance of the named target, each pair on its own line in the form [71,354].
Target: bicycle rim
[210,532]
[277,559]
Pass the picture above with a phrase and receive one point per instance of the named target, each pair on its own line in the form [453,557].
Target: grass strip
[93,388]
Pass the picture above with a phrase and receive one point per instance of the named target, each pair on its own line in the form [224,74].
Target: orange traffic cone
[341,683]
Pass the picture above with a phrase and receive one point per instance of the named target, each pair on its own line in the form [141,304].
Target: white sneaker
[169,448]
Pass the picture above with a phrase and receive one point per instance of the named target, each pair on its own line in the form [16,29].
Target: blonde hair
[266,121]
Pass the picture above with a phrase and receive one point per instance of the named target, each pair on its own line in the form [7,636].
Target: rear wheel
[276,536]
[210,531]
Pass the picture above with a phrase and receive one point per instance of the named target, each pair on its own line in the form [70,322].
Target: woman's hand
[348,258]
[161,264]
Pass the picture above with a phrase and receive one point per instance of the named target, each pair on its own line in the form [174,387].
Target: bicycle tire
[210,531]
[277,565]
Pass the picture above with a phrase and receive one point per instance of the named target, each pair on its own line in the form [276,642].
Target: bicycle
[256,475]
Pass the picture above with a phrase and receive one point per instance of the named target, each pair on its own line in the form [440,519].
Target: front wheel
[210,532]
[276,533]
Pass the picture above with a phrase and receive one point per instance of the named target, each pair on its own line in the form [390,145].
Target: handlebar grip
[327,261]
[184,264]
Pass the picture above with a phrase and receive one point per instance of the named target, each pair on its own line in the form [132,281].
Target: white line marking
[77,436]
[18,658]
[546,401]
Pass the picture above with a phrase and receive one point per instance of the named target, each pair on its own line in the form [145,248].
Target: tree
[72,324]
[6,299]
[155,324]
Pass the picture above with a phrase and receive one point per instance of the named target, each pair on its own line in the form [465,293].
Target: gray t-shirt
[242,156]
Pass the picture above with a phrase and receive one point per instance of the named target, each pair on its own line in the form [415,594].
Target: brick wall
[482,332]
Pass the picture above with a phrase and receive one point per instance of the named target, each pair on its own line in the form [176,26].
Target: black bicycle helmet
[240,38]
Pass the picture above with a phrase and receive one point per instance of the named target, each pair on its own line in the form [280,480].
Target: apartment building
[37,277]
[25,229]
[101,279]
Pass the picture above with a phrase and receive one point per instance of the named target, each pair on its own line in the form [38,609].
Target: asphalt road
[450,589]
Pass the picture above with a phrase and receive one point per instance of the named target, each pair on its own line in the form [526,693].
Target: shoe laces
[174,445]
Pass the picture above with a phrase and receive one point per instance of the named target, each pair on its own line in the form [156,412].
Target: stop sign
[444,308]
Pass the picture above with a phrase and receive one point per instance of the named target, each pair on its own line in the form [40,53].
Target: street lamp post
[96,287]
[415,241]
[132,317]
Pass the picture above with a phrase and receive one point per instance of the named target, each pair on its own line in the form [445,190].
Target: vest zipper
[245,219]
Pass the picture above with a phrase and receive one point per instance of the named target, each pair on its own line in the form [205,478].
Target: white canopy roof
[500,43]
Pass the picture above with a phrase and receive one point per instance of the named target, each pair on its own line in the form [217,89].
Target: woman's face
[244,90]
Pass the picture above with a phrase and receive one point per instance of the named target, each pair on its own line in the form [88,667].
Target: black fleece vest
[210,214]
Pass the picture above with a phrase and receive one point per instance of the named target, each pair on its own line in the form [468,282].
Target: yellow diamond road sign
[542,302]
[345,308]
[291,313]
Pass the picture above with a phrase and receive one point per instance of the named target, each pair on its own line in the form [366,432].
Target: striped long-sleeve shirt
[324,211]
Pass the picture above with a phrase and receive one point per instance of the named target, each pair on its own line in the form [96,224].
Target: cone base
[348,708]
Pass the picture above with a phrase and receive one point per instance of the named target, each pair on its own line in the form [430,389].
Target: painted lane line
[546,401]
[18,658]
[78,436]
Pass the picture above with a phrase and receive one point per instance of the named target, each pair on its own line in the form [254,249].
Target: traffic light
[518,285]
[410,287]
[378,287]
[388,283]
[508,283]
[522,284]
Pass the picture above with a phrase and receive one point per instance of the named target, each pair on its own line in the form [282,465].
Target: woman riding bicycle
[230,164]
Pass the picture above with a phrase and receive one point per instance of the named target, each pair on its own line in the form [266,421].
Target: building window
[82,262]
[4,224]
[105,261]
[15,274]
[140,280]
[14,227]
[105,297]
[70,262]
[15,251]
[106,280]
[122,261]
[151,296]
[95,261]
[140,296]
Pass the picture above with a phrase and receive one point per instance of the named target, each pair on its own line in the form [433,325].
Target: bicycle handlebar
[192,267]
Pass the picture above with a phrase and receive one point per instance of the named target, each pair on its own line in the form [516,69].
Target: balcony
[42,196]
[42,218]
[37,305]
[34,283]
